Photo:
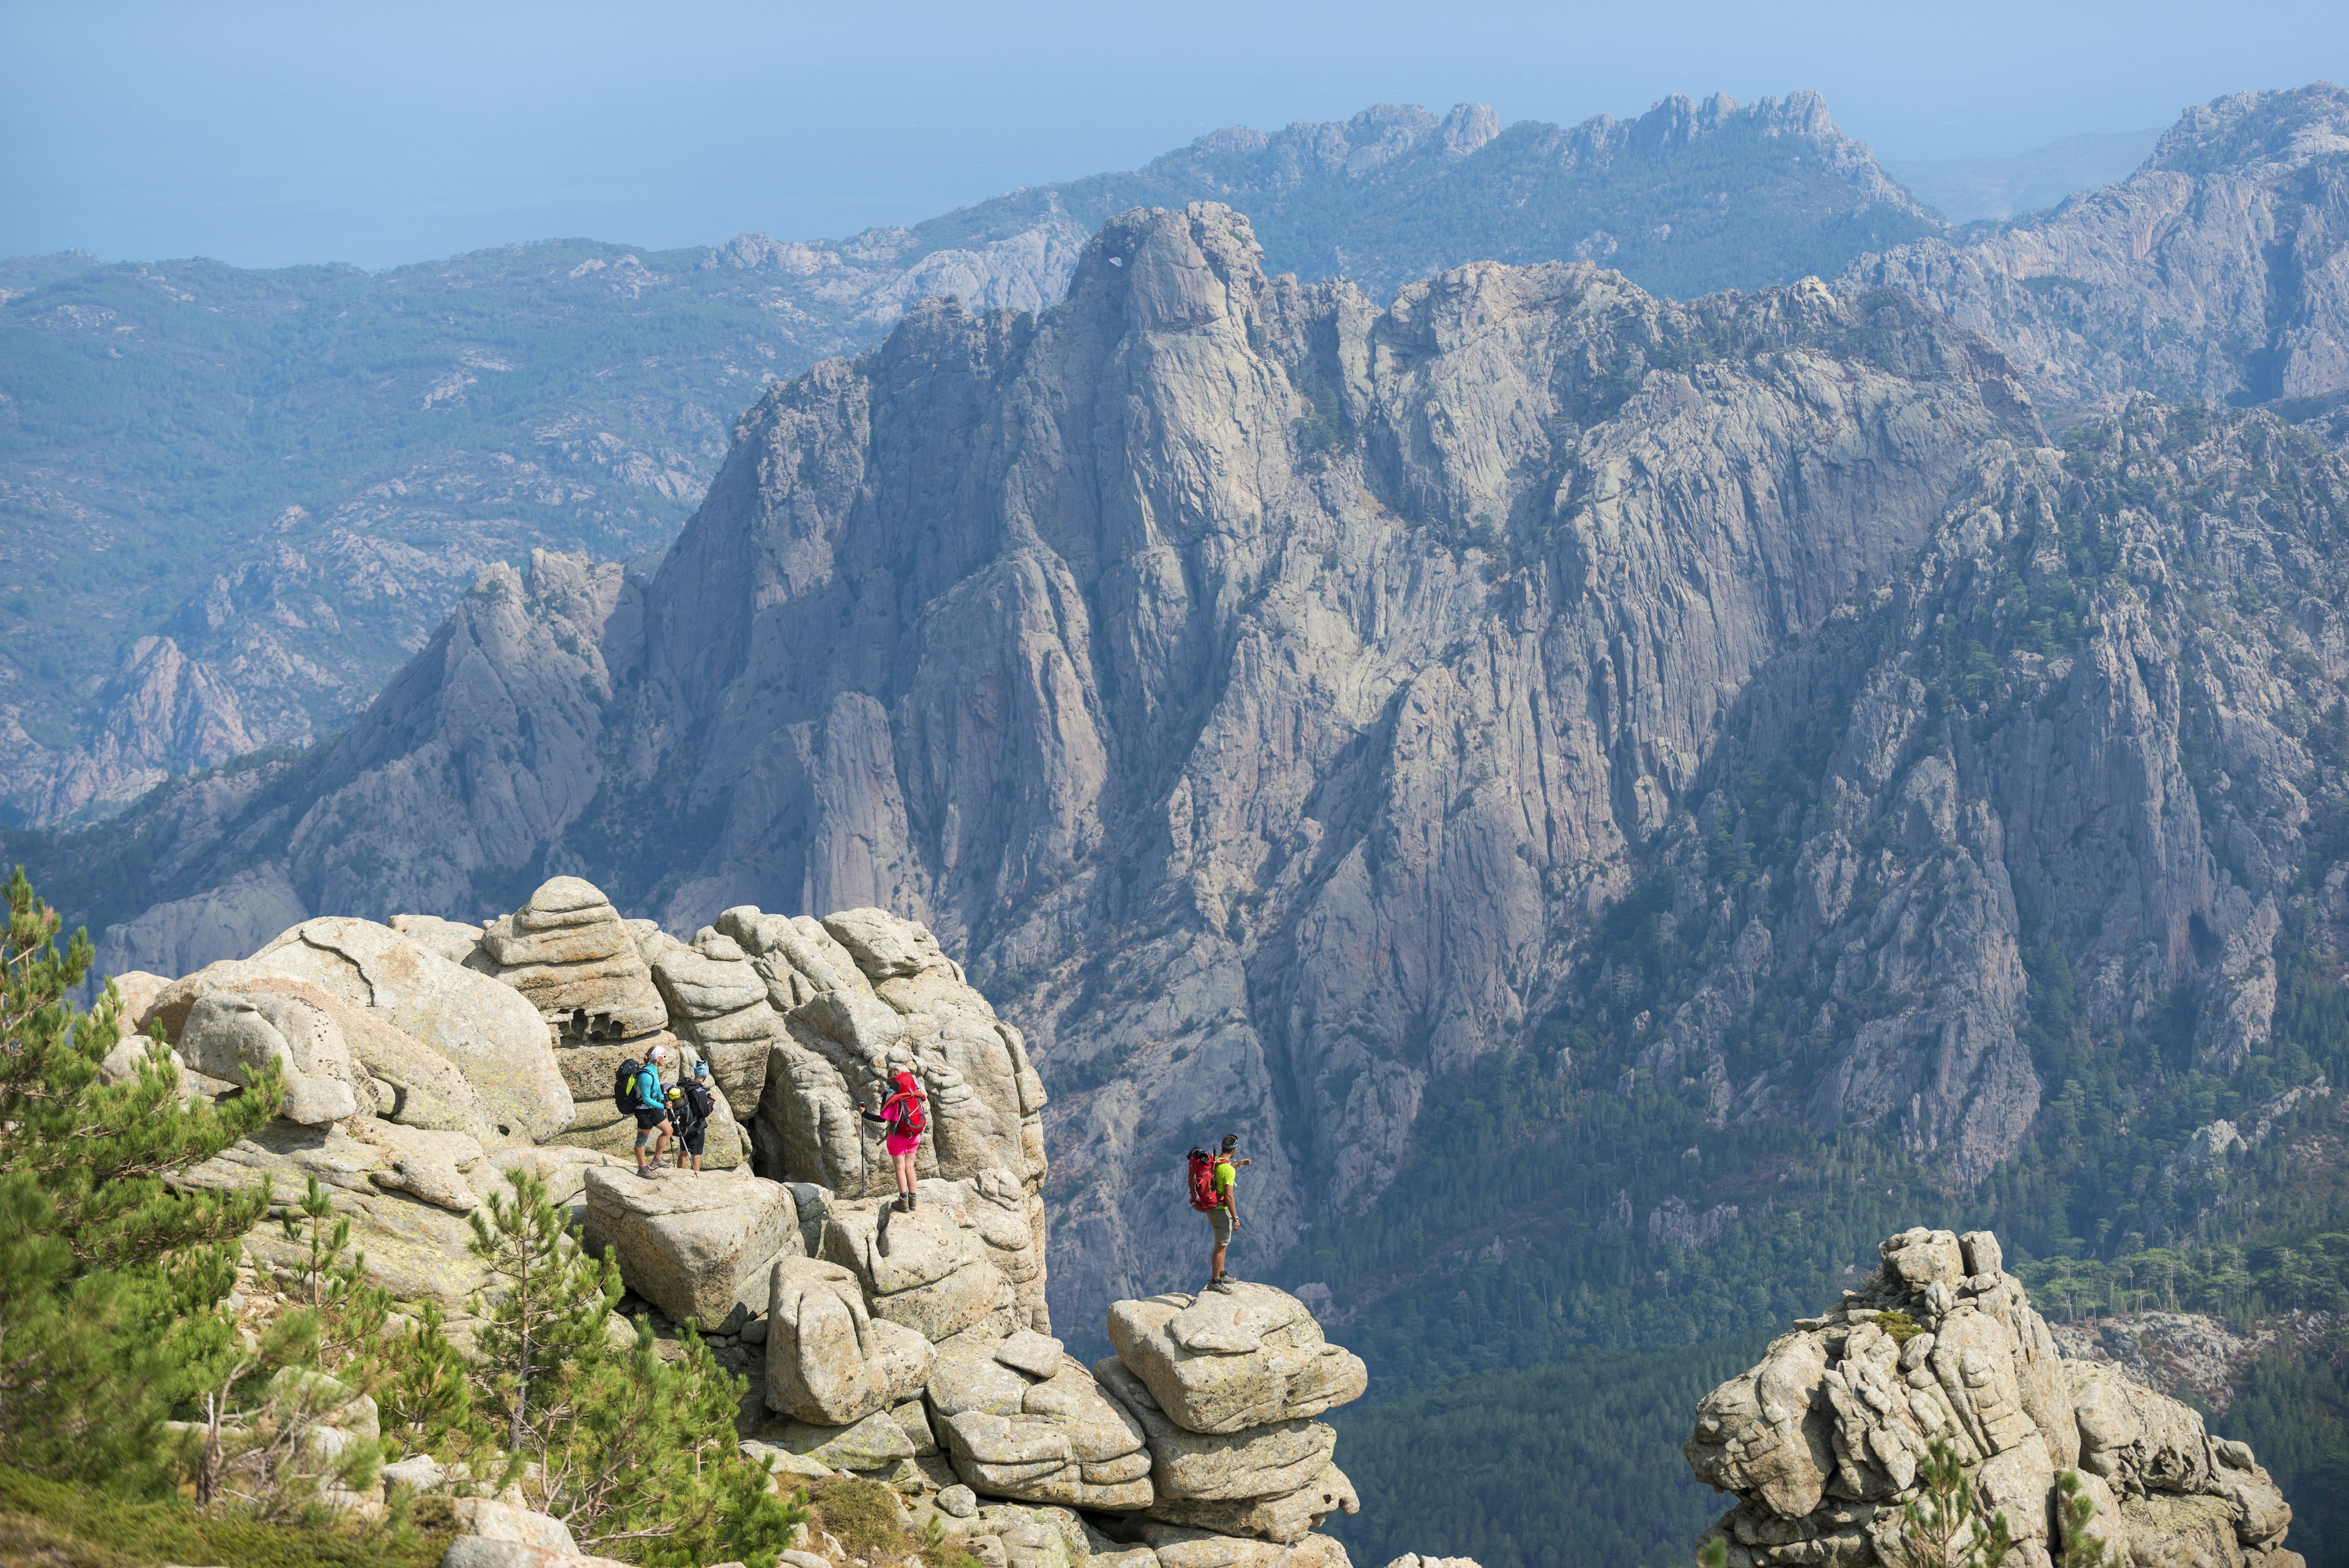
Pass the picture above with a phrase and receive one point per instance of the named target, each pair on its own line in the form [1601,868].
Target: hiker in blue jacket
[653,1126]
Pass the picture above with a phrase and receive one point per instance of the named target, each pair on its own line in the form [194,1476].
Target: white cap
[658,1053]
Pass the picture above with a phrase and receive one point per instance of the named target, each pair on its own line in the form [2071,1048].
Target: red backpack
[1203,1196]
[904,1110]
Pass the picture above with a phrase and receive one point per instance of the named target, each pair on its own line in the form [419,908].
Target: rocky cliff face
[1261,688]
[2219,271]
[305,514]
[2100,716]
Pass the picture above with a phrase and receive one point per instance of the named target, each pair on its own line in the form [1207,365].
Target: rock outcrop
[489,1031]
[1821,1441]
[1022,1419]
[424,1059]
[2214,273]
[830,1362]
[912,1346]
[996,1433]
[1221,1389]
[704,1251]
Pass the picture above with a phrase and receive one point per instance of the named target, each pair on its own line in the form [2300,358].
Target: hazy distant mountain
[1964,189]
[232,501]
[2218,272]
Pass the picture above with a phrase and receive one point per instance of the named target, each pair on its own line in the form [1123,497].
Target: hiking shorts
[647,1124]
[902,1143]
[691,1142]
[1220,1221]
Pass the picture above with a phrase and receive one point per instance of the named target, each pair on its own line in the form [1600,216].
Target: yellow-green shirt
[1226,1174]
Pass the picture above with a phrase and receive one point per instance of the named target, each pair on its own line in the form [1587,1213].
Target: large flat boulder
[492,1036]
[830,1362]
[928,1269]
[702,1249]
[1271,1460]
[1019,1419]
[1217,1363]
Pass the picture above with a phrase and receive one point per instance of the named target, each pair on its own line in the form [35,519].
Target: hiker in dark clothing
[692,1105]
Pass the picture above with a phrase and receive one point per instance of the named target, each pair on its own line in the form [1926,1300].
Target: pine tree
[108,1276]
[424,1395]
[546,1308]
[342,1314]
[637,1454]
[650,1465]
[1946,1525]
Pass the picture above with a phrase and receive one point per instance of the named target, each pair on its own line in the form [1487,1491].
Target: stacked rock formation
[570,955]
[1194,1447]
[1821,1441]
[1226,1387]
[424,1059]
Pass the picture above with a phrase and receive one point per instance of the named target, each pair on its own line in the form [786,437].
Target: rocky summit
[1822,1441]
[425,1059]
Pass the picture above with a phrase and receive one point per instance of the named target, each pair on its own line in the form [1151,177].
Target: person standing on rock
[695,1106]
[905,1115]
[653,1126]
[1224,1211]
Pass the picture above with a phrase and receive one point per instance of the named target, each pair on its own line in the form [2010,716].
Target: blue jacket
[650,1095]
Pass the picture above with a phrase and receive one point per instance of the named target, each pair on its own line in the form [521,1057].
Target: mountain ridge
[291,475]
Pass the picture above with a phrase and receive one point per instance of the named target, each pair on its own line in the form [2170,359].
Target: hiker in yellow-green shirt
[1225,1217]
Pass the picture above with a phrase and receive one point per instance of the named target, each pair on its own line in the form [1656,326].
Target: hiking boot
[648,1173]
[1222,1287]
[912,1202]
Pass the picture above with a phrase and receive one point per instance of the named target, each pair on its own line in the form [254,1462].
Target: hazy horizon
[268,134]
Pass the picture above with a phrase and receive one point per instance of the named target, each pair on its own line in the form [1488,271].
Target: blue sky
[274,133]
